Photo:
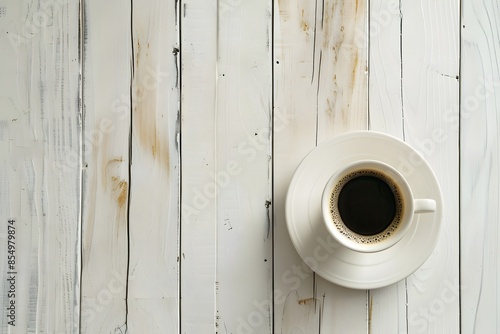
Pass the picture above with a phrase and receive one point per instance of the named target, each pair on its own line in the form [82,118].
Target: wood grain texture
[320,91]
[342,106]
[99,194]
[243,167]
[430,86]
[413,88]
[40,149]
[388,306]
[479,130]
[154,177]
[107,108]
[198,156]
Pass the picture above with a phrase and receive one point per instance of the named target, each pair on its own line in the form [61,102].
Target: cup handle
[424,205]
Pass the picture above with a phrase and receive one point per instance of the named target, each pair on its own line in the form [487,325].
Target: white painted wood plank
[320,91]
[387,309]
[479,129]
[292,48]
[107,107]
[154,180]
[387,306]
[430,69]
[243,164]
[198,159]
[385,103]
[342,102]
[40,166]
[341,60]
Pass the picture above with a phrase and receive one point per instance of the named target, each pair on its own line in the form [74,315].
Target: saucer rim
[397,275]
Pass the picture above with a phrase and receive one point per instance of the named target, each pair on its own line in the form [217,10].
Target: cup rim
[406,193]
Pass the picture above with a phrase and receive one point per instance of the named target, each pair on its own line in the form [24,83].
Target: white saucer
[321,252]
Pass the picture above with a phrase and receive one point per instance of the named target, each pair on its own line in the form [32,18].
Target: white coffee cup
[359,212]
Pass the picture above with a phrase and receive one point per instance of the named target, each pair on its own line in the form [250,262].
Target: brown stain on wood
[138,53]
[370,311]
[120,189]
[148,134]
[114,160]
[340,50]
[301,315]
[146,114]
[110,168]
[327,26]
[304,26]
[306,301]
[329,110]
[354,69]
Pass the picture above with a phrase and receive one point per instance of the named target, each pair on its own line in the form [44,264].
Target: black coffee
[367,205]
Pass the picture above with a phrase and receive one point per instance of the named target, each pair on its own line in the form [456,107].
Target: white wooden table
[146,148]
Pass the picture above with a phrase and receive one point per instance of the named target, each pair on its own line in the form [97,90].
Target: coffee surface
[367,205]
